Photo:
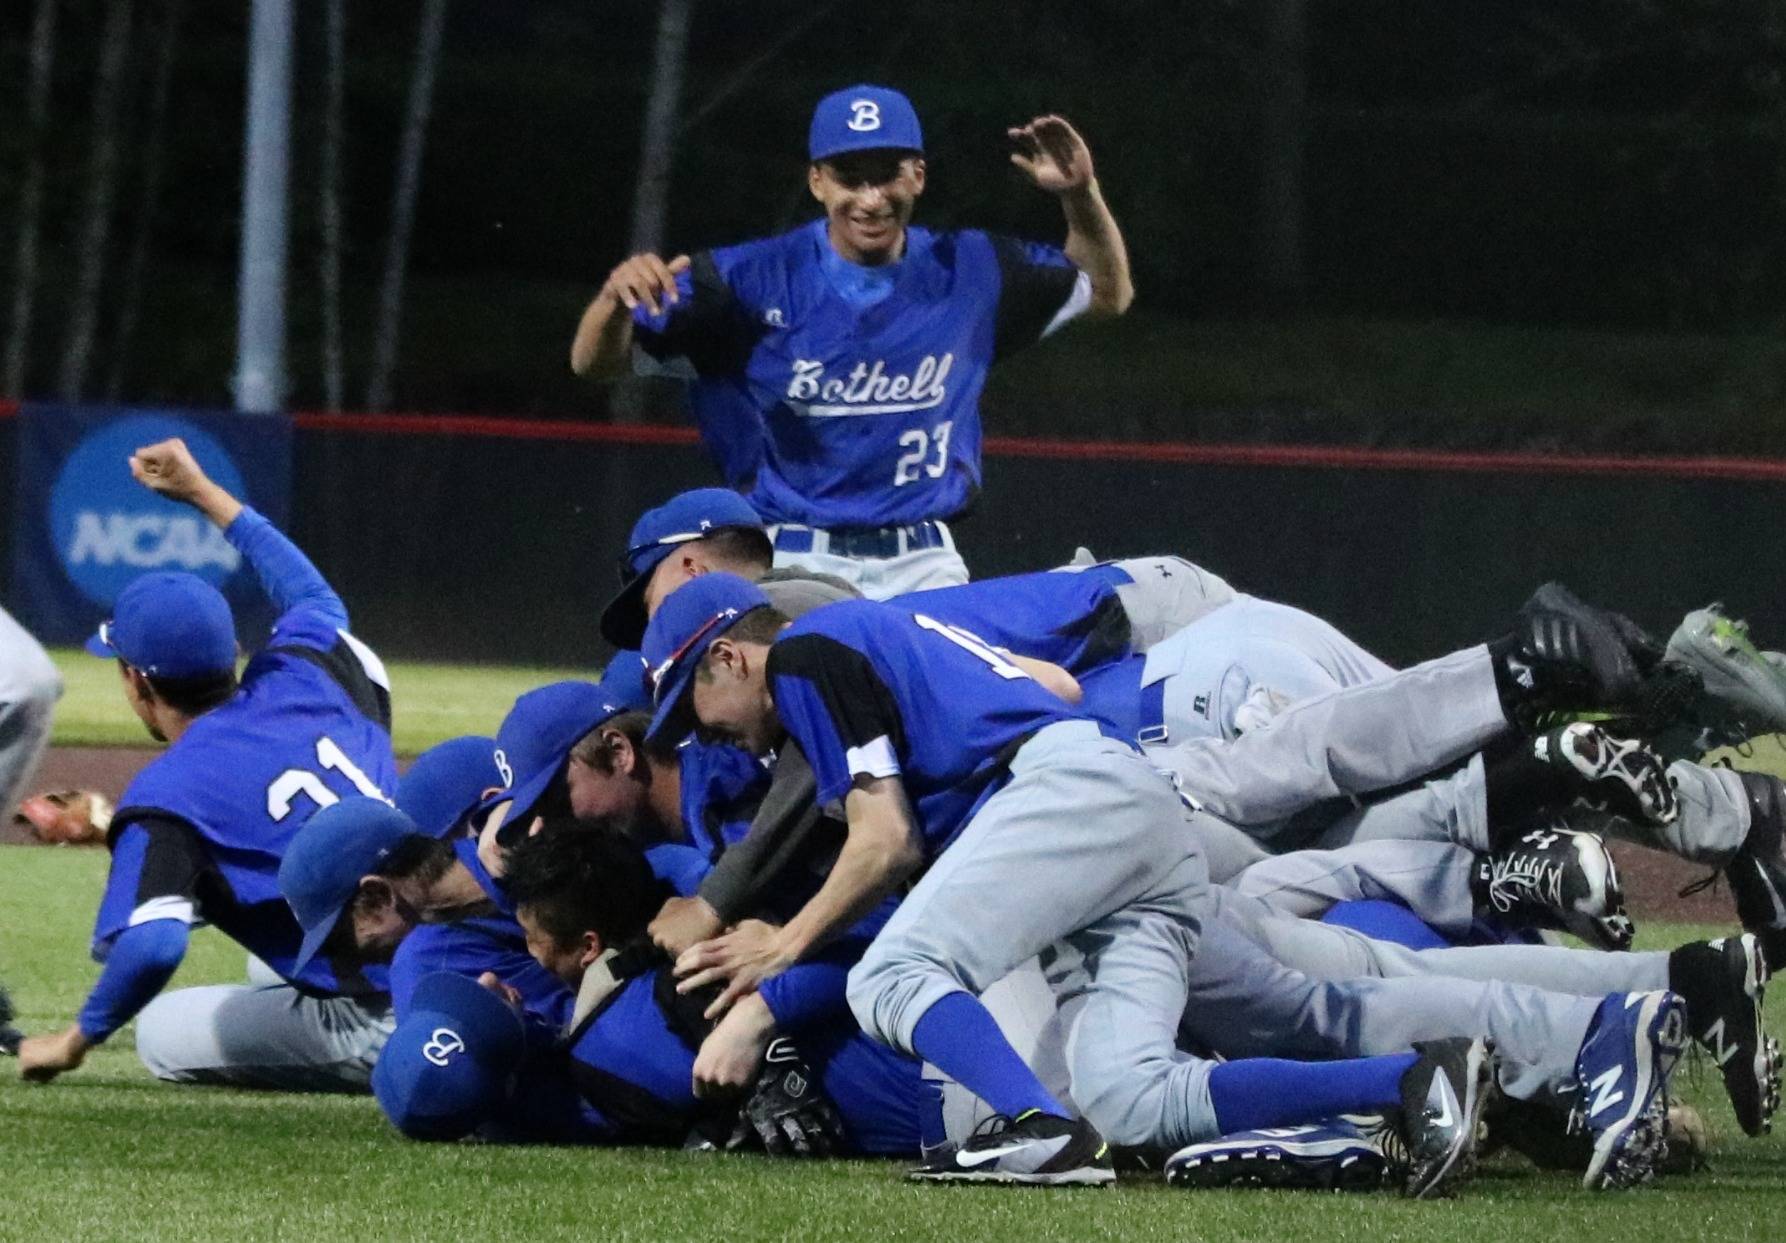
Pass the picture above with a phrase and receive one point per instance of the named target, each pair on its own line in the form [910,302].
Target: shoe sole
[1759,1080]
[1726,676]
[1066,1178]
[1624,765]
[1664,1040]
[1280,1169]
[1460,1161]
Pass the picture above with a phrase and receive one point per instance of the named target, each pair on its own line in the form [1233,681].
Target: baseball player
[29,688]
[200,831]
[1043,832]
[652,1068]
[445,784]
[839,367]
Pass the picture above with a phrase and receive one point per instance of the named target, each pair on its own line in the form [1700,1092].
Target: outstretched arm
[145,919]
[602,348]
[1056,159]
[285,573]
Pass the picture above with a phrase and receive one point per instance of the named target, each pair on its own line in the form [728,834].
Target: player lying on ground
[910,714]
[786,1067]
[199,833]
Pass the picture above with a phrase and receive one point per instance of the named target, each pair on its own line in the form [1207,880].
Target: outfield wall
[494,539]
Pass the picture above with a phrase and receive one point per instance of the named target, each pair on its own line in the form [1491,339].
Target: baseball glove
[787,1111]
[68,817]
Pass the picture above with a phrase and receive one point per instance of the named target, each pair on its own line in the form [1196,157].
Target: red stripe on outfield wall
[1317,457]
[1310,457]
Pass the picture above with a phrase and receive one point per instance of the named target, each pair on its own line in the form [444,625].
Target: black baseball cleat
[10,1036]
[1618,775]
[1563,653]
[1757,873]
[1033,1149]
[1556,877]
[1723,982]
[1443,1095]
[1335,1155]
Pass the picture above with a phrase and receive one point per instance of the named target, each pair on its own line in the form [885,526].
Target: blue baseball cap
[448,780]
[169,625]
[687,623]
[451,1062]
[623,682]
[327,857]
[863,118]
[680,520]
[536,738]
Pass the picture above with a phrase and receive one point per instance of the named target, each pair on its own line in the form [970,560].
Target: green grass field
[429,702]
[107,1153]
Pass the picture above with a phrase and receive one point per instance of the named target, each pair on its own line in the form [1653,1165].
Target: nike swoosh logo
[980,1156]
[1444,1116]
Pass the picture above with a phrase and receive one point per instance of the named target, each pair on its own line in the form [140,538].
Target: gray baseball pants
[1127,1033]
[29,688]
[1086,844]
[263,1034]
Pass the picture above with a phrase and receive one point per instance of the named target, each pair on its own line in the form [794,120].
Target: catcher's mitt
[68,817]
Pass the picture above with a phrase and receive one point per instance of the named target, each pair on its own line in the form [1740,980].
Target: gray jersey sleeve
[785,836]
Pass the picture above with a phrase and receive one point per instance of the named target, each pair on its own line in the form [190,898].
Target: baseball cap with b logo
[863,118]
[451,1062]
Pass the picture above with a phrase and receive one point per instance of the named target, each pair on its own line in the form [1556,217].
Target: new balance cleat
[1622,1075]
[1443,1095]
[1747,684]
[1326,1156]
[1034,1149]
[1556,877]
[1618,775]
[1723,982]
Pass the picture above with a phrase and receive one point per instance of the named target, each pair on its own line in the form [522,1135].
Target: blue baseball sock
[1268,1091]
[958,1036]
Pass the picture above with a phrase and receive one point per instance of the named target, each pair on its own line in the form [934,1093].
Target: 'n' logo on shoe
[1606,1090]
[1713,1039]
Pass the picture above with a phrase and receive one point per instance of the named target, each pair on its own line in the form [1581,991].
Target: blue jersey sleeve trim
[143,959]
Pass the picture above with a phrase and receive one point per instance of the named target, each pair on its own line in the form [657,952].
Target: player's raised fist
[1051,154]
[169,468]
[646,279]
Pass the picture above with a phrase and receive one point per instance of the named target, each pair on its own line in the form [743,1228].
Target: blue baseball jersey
[1073,619]
[875,689]
[470,947]
[721,787]
[840,414]
[879,1094]
[310,724]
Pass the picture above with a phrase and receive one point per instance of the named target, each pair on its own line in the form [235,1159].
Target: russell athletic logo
[107,528]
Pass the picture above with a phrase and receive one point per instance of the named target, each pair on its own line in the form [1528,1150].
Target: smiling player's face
[868,198]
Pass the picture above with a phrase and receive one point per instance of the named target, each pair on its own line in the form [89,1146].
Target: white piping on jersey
[1076,304]
[167,907]
[369,661]
[872,759]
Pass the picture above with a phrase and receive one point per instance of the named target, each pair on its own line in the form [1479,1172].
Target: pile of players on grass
[1025,880]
